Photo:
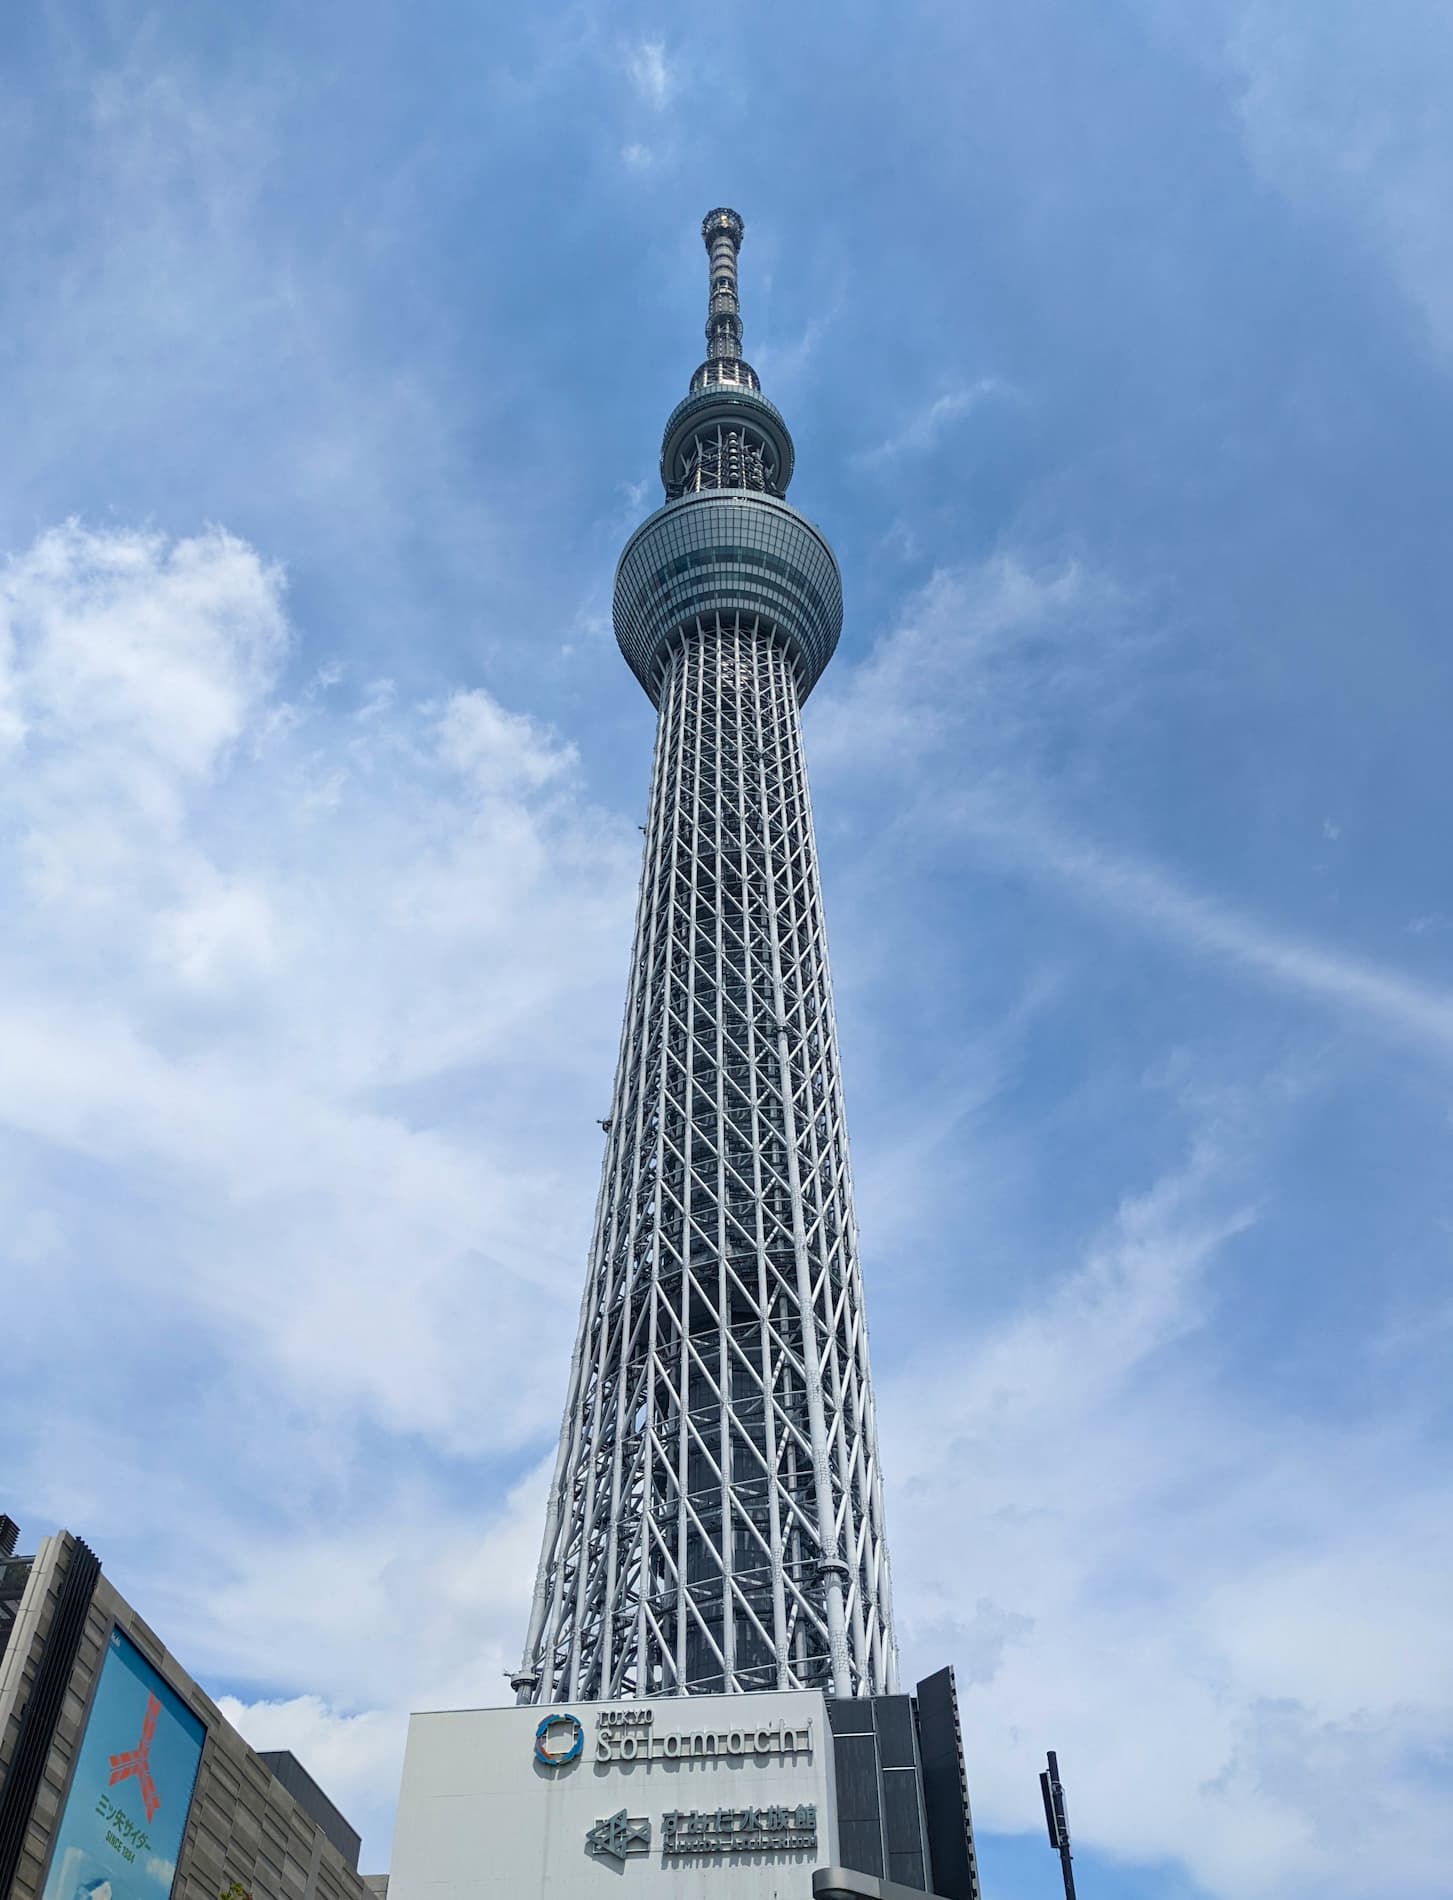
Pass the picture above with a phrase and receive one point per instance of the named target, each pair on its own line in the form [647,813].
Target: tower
[714,1526]
[715,1518]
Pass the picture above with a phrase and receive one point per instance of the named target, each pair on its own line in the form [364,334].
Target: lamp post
[1052,1789]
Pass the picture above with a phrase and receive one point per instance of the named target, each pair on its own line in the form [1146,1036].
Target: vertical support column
[831,1568]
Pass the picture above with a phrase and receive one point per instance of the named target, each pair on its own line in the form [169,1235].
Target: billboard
[121,1827]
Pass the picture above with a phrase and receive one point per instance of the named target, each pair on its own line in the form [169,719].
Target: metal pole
[1067,1870]
[1056,1820]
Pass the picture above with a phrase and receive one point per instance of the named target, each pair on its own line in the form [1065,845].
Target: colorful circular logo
[551,1727]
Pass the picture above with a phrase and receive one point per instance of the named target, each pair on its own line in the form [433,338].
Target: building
[120,1779]
[709,1687]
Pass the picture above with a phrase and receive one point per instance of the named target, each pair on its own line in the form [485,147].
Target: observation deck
[727,553]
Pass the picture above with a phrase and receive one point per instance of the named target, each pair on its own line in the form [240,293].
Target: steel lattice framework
[715,1519]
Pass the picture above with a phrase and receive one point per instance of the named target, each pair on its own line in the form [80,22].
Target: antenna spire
[721,233]
[725,434]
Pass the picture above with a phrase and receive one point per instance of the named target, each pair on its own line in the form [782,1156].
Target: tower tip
[723,222]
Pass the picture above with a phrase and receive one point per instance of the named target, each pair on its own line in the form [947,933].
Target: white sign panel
[727,1796]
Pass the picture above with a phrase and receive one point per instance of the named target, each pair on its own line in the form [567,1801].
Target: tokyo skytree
[715,1518]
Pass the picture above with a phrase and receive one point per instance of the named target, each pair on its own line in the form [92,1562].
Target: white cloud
[356,1758]
[1156,902]
[258,975]
[432,1617]
[978,648]
[651,73]
[222,933]
[305,1006]
[980,661]
[122,638]
[1343,110]
[922,430]
[1227,1622]
[497,750]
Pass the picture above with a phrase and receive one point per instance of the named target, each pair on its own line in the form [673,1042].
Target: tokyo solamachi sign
[629,1735]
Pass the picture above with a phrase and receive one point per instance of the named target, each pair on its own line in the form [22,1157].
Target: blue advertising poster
[121,1828]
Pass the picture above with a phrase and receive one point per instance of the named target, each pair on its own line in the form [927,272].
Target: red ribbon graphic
[137,1761]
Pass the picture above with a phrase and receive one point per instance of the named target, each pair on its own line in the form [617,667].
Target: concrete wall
[19,1670]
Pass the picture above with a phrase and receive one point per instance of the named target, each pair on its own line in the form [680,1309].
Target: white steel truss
[715,1519]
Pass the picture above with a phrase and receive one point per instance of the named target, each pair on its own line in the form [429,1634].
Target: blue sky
[1117,345]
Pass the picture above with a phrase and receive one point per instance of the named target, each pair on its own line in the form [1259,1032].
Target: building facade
[120,1778]
[685,1798]
[715,1520]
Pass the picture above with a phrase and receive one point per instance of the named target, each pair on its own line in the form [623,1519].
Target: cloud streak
[922,431]
[966,700]
[1148,897]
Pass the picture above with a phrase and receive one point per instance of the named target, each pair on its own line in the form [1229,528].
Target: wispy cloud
[1154,901]
[651,72]
[923,430]
[980,663]
[1347,120]
[987,649]
[781,363]
[1089,1513]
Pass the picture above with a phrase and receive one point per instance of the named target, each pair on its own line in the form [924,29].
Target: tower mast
[715,1518]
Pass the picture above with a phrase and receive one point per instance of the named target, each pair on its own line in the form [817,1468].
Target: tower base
[742,1797]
